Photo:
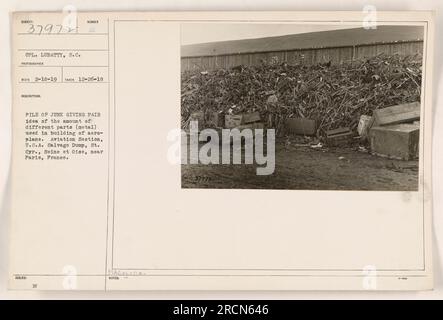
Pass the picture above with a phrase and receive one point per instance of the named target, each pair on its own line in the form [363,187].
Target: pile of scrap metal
[303,99]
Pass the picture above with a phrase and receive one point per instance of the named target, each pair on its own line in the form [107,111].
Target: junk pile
[332,102]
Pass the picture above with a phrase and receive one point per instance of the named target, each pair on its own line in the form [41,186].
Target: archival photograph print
[300,107]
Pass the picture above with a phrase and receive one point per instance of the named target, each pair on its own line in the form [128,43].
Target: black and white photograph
[301,106]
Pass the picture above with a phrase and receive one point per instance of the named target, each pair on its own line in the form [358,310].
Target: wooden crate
[250,117]
[339,137]
[399,141]
[232,121]
[302,126]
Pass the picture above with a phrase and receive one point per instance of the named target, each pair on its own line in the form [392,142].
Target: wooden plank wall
[305,56]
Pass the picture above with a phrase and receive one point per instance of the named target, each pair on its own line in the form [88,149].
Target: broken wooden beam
[218,119]
[401,113]
[364,125]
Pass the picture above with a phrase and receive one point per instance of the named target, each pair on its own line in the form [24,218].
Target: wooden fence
[335,55]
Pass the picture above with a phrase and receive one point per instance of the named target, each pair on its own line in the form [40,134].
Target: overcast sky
[209,32]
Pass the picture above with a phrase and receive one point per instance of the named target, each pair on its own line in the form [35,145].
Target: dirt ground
[305,168]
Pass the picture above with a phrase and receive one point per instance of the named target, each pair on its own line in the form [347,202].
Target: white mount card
[221,151]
